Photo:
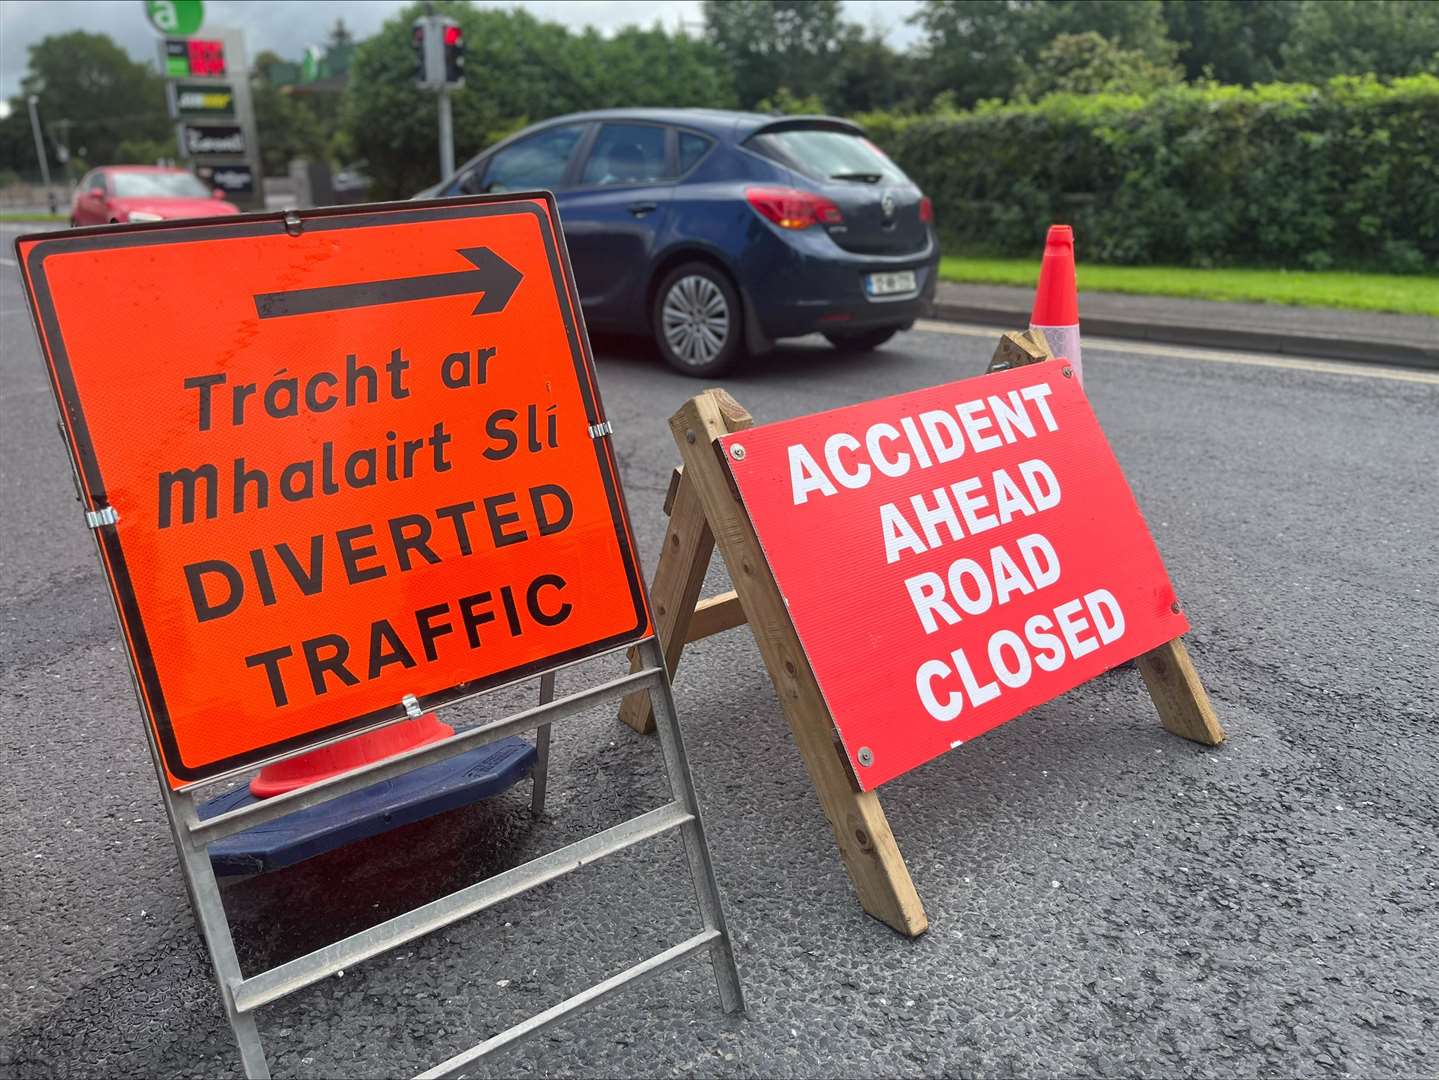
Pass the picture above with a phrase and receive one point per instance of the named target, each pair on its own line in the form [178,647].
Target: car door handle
[640,209]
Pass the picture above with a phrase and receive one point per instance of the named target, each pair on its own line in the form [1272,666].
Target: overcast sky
[287,26]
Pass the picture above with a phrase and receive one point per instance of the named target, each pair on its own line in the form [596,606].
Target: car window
[626,154]
[97,183]
[159,185]
[537,161]
[826,154]
[692,148]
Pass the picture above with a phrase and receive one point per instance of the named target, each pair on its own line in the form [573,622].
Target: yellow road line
[1213,356]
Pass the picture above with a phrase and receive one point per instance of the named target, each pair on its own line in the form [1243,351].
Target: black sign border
[243,226]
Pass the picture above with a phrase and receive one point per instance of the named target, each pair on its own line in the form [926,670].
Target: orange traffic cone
[328,761]
[1056,300]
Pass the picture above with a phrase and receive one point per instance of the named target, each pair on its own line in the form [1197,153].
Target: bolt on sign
[315,497]
[994,557]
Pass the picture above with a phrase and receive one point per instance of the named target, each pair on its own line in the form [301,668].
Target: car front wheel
[863,340]
[696,320]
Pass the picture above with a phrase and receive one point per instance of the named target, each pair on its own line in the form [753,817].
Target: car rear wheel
[862,340]
[696,320]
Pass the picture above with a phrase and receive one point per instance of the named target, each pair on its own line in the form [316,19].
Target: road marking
[7,262]
[1213,356]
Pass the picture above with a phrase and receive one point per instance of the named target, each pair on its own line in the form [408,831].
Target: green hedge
[1284,175]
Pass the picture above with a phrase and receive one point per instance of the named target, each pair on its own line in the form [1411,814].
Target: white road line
[7,262]
[1213,356]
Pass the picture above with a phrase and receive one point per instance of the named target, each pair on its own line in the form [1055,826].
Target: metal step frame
[244,995]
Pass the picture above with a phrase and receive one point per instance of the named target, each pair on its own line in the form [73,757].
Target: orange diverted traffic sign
[337,467]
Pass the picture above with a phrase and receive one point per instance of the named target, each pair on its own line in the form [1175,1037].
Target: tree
[784,103]
[869,74]
[978,49]
[1357,37]
[1090,64]
[17,147]
[340,35]
[91,90]
[518,69]
[768,44]
[339,51]
[649,67]
[1231,41]
[287,124]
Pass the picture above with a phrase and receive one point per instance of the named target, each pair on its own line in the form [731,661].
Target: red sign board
[337,464]
[953,557]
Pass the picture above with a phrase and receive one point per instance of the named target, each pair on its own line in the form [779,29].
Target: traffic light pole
[440,66]
[45,161]
[447,136]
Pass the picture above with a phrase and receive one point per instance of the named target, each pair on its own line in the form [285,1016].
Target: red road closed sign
[339,467]
[953,557]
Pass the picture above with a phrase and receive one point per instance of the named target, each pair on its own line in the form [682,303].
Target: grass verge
[11,216]
[1306,288]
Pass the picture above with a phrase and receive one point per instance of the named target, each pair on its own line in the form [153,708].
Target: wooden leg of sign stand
[705,512]
[676,587]
[1178,695]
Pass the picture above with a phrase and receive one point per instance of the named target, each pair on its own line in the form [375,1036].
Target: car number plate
[900,281]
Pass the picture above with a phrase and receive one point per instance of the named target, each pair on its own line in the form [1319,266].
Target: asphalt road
[1104,898]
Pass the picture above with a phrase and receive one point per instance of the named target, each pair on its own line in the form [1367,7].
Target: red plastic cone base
[329,761]
[1056,300]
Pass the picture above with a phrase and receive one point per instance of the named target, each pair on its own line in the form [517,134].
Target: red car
[144,193]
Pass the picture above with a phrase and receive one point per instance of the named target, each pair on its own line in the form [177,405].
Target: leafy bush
[1090,63]
[1346,173]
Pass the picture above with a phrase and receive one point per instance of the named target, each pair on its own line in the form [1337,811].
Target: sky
[286,26]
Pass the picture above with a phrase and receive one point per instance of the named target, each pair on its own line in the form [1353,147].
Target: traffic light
[454,39]
[439,46]
[418,42]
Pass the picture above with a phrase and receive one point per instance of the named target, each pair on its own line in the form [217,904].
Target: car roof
[140,168]
[725,124]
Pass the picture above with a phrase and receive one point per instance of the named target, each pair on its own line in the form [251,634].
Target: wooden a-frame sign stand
[704,511]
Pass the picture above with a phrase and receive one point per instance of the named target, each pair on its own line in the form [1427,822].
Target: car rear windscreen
[158,185]
[828,154]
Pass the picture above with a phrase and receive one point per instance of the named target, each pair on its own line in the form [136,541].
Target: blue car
[719,232]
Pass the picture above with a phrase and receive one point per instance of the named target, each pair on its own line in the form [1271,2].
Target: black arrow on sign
[492,276]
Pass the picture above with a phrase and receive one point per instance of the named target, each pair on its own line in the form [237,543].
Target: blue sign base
[426,791]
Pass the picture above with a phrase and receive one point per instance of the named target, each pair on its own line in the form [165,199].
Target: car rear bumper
[805,283]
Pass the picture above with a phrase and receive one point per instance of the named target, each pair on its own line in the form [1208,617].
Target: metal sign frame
[243,995]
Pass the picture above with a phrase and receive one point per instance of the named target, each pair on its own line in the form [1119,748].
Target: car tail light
[926,210]
[790,208]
